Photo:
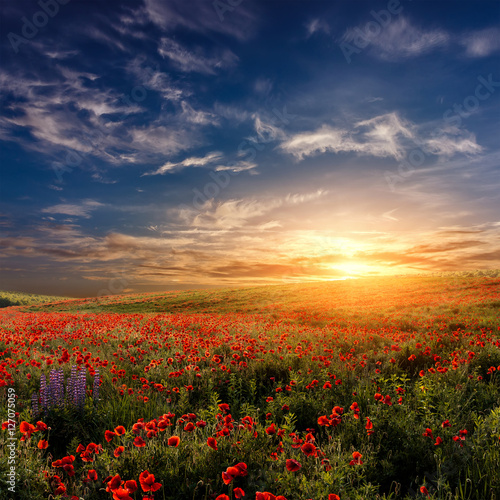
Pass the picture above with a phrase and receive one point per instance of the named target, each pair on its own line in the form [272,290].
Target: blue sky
[159,144]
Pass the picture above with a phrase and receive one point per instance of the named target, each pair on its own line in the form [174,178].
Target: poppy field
[384,388]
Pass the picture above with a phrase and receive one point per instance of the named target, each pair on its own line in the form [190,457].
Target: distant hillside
[25,299]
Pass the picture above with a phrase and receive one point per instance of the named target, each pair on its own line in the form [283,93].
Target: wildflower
[118,451]
[42,444]
[139,442]
[427,433]
[356,458]
[114,483]
[120,430]
[147,481]
[292,465]
[424,491]
[333,496]
[212,443]
[308,449]
[131,486]
[238,492]
[174,441]
[109,435]
[92,475]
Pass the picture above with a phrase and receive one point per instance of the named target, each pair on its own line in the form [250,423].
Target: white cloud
[195,61]
[82,210]
[383,136]
[236,213]
[399,40]
[481,43]
[193,161]
[317,26]
[197,117]
[448,145]
[238,22]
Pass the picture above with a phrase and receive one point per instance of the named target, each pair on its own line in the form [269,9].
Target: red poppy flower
[120,430]
[121,494]
[333,496]
[427,433]
[292,465]
[424,491]
[147,481]
[222,497]
[118,451]
[271,430]
[308,449]
[356,458]
[238,492]
[212,442]
[189,427]
[109,435]
[131,486]
[174,441]
[92,474]
[42,444]
[61,489]
[40,426]
[114,483]
[139,442]
[438,441]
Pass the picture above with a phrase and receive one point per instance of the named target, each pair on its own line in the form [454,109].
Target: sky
[151,145]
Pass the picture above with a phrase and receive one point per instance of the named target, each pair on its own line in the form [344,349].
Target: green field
[382,388]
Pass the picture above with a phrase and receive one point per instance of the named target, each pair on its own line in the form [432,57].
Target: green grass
[22,299]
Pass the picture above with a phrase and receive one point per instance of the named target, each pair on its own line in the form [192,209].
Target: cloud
[399,40]
[195,61]
[149,75]
[317,26]
[236,213]
[383,136]
[447,145]
[380,136]
[197,117]
[173,14]
[82,210]
[481,43]
[208,159]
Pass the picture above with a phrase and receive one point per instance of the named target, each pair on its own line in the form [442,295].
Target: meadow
[375,388]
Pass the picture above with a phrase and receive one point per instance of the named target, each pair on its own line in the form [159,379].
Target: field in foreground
[361,389]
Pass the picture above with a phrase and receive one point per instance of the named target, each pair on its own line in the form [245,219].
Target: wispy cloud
[481,43]
[400,40]
[383,136]
[317,26]
[169,167]
[195,60]
[178,13]
[83,209]
[236,213]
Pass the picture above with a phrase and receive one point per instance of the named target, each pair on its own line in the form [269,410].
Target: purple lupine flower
[95,387]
